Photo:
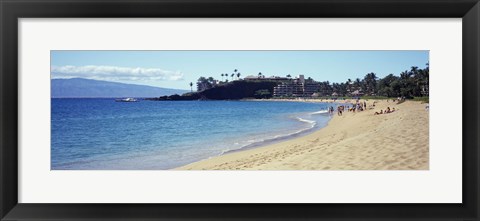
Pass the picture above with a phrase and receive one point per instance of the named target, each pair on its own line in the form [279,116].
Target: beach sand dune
[354,141]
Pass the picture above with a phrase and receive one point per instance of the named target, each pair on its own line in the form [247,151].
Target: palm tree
[349,85]
[210,80]
[238,76]
[289,76]
[259,74]
[414,70]
[235,73]
[342,88]
[404,75]
[357,84]
[370,82]
[222,76]
[191,85]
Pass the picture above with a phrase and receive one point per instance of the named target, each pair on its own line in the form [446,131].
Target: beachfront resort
[413,83]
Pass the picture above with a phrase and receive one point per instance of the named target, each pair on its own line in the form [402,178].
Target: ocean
[101,134]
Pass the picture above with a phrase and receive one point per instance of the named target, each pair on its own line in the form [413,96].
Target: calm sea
[101,134]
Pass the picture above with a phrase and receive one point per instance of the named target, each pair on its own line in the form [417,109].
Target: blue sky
[176,69]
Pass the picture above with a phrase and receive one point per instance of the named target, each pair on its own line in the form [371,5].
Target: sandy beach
[353,141]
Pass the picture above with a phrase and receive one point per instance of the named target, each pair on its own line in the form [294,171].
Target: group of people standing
[358,106]
[361,106]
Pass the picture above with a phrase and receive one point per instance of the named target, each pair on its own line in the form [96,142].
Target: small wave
[306,121]
[319,112]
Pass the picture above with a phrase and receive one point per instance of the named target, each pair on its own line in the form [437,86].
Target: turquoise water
[100,134]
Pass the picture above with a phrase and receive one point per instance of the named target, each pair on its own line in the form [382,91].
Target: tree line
[410,83]
[204,83]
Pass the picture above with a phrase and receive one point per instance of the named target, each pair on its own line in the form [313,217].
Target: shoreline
[353,141]
[304,100]
[272,141]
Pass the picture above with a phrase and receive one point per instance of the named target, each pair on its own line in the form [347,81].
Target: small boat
[129,99]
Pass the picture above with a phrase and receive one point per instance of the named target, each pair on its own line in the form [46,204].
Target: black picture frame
[12,10]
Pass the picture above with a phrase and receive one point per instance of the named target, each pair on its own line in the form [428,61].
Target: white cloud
[114,73]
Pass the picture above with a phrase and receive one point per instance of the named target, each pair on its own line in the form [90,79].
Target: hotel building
[298,87]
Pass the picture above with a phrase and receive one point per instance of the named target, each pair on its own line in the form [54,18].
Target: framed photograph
[250,110]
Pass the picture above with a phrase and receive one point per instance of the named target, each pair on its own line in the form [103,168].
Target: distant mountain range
[87,88]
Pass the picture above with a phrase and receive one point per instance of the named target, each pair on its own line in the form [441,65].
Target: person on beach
[340,110]
[387,111]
